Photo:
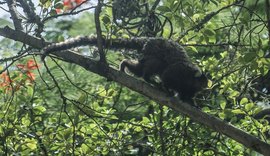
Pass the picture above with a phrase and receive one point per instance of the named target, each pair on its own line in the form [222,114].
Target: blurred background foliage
[90,115]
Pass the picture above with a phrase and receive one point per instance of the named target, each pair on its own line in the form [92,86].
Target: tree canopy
[75,101]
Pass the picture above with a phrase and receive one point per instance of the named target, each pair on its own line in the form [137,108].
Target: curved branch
[147,90]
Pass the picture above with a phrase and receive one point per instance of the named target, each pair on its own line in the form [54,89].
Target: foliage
[58,108]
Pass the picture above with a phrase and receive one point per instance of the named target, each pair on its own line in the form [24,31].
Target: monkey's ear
[198,74]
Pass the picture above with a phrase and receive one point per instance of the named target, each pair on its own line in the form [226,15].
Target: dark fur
[170,62]
[183,79]
[120,43]
[161,57]
[145,68]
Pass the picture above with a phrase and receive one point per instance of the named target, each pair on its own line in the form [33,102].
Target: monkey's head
[202,80]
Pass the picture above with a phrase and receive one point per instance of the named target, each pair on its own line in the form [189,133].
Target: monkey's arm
[120,43]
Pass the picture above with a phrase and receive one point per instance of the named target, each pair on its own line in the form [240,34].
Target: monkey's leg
[181,78]
[152,66]
[173,78]
[134,67]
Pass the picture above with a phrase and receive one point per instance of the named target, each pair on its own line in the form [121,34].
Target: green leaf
[164,9]
[264,70]
[243,101]
[106,20]
[85,148]
[138,129]
[212,39]
[249,106]
[223,104]
[32,144]
[245,19]
[238,111]
[206,109]
[60,38]
[234,94]
[59,5]
[30,90]
[260,53]
[224,54]
[43,1]
[254,65]
[196,16]
[25,121]
[82,98]
[209,32]
[221,115]
[215,2]
[250,56]
[257,110]
[193,49]
[67,133]
[145,120]
[40,109]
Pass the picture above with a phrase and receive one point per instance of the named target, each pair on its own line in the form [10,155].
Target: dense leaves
[58,108]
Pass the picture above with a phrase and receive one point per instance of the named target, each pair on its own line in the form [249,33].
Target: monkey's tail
[132,43]
[134,67]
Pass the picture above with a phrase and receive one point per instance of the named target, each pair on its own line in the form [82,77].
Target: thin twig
[99,32]
[207,18]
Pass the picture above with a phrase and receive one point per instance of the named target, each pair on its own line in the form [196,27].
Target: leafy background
[228,39]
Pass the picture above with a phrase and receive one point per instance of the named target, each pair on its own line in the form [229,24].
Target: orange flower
[20,66]
[30,65]
[78,2]
[5,77]
[70,4]
[17,78]
[58,11]
[6,81]
[31,76]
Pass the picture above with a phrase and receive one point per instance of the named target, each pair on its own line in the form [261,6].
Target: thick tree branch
[14,14]
[147,90]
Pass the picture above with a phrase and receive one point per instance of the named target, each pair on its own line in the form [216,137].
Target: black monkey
[186,80]
[169,61]
[164,58]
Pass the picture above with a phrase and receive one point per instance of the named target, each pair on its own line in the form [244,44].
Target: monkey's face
[204,81]
[201,80]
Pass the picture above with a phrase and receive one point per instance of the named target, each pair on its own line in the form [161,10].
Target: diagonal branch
[145,89]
